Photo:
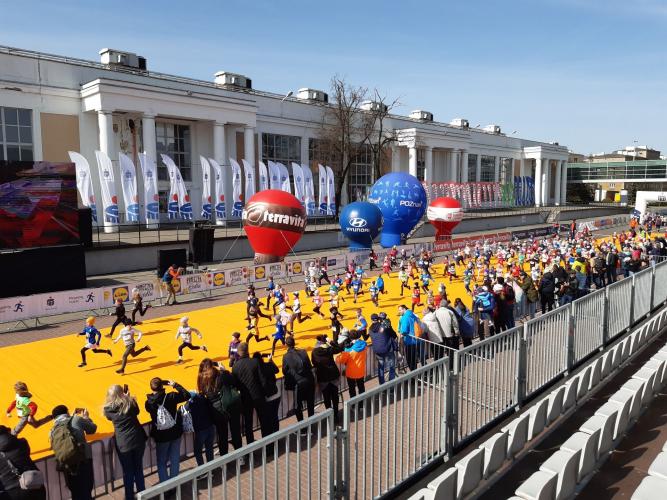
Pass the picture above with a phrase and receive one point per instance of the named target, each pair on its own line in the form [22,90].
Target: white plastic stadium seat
[618,353]
[649,375]
[538,418]
[596,374]
[423,494]
[623,410]
[658,365]
[495,452]
[626,344]
[587,445]
[607,363]
[584,382]
[634,392]
[571,389]
[566,465]
[540,486]
[605,424]
[444,486]
[555,404]
[658,467]
[651,488]
[469,472]
[517,432]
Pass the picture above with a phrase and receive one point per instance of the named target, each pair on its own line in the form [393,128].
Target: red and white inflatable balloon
[445,214]
[274,221]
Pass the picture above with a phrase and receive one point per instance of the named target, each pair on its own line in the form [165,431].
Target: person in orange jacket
[354,359]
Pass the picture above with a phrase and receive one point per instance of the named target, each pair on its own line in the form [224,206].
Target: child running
[253,322]
[127,334]
[279,334]
[318,301]
[373,290]
[357,285]
[185,332]
[403,279]
[25,409]
[93,339]
[233,351]
[138,301]
[416,296]
[296,312]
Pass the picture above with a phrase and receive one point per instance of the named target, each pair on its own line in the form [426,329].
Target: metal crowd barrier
[642,283]
[619,313]
[588,326]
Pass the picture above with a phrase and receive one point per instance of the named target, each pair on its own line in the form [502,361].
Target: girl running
[373,290]
[93,339]
[137,299]
[185,332]
[336,325]
[253,322]
[403,279]
[270,287]
[296,312]
[426,281]
[451,271]
[416,296]
[279,334]
[317,302]
[25,409]
[127,334]
[386,266]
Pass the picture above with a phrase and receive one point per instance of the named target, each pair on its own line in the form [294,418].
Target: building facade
[50,105]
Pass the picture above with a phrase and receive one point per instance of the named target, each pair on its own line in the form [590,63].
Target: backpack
[164,419]
[67,449]
[487,302]
[230,398]
[421,330]
[187,419]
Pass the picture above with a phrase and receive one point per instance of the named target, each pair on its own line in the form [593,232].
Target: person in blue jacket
[406,329]
[93,339]
[466,322]
[379,283]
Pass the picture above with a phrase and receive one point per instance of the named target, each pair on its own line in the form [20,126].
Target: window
[16,134]
[174,141]
[472,168]
[360,178]
[421,164]
[283,149]
[506,170]
[488,173]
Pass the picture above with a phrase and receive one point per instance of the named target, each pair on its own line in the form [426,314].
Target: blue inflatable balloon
[360,222]
[402,200]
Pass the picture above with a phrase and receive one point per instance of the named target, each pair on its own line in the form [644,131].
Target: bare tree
[348,129]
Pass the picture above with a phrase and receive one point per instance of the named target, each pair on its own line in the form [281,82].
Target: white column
[522,167]
[428,164]
[148,136]
[563,186]
[478,168]
[249,145]
[220,144]
[395,159]
[105,129]
[546,170]
[453,165]
[496,169]
[304,151]
[464,166]
[412,161]
[259,148]
[538,182]
[557,180]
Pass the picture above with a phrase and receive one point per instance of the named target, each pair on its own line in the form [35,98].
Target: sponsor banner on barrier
[258,274]
[295,268]
[457,243]
[235,277]
[18,308]
[537,232]
[149,290]
[112,293]
[193,283]
[217,279]
[277,270]
[81,300]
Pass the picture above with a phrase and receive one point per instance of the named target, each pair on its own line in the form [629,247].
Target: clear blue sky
[587,73]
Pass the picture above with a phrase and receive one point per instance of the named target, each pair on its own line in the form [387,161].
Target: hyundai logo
[358,222]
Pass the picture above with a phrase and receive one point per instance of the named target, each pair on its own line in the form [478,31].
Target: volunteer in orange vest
[354,359]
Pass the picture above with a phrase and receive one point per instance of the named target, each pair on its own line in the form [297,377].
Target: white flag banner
[322,191]
[274,175]
[263,177]
[285,184]
[220,208]
[237,195]
[84,183]
[151,197]
[299,189]
[128,181]
[109,198]
[331,191]
[206,199]
[179,200]
[249,171]
[309,189]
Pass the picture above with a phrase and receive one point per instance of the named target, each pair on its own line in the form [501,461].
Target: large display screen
[38,204]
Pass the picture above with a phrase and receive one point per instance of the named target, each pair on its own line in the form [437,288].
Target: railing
[617,170]
[394,430]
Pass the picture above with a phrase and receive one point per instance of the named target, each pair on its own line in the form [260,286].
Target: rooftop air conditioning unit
[418,114]
[460,122]
[492,129]
[373,106]
[118,58]
[227,79]
[312,95]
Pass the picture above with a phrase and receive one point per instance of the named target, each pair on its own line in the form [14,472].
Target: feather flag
[237,194]
[220,207]
[206,199]
[109,198]
[128,182]
[151,197]
[179,200]
[84,183]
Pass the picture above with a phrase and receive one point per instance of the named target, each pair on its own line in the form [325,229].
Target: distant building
[629,153]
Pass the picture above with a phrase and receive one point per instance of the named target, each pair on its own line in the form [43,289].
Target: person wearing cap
[354,360]
[298,375]
[384,344]
[327,372]
[185,332]
[93,339]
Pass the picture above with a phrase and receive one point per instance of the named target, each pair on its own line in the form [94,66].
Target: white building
[51,104]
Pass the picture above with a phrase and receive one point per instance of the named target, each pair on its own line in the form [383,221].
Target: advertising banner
[179,200]
[235,277]
[206,198]
[263,177]
[109,199]
[18,308]
[295,268]
[322,197]
[151,197]
[309,189]
[217,279]
[277,270]
[237,193]
[274,175]
[299,185]
[149,290]
[331,192]
[84,182]
[220,207]
[258,274]
[285,184]
[193,283]
[128,182]
[537,232]
[458,243]
[249,171]
[81,300]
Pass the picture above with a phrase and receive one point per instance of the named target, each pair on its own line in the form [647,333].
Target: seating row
[584,447]
[654,485]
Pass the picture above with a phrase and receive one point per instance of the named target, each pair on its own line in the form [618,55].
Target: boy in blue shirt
[93,339]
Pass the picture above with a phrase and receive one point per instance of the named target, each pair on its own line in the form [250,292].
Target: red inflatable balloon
[445,214]
[274,222]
